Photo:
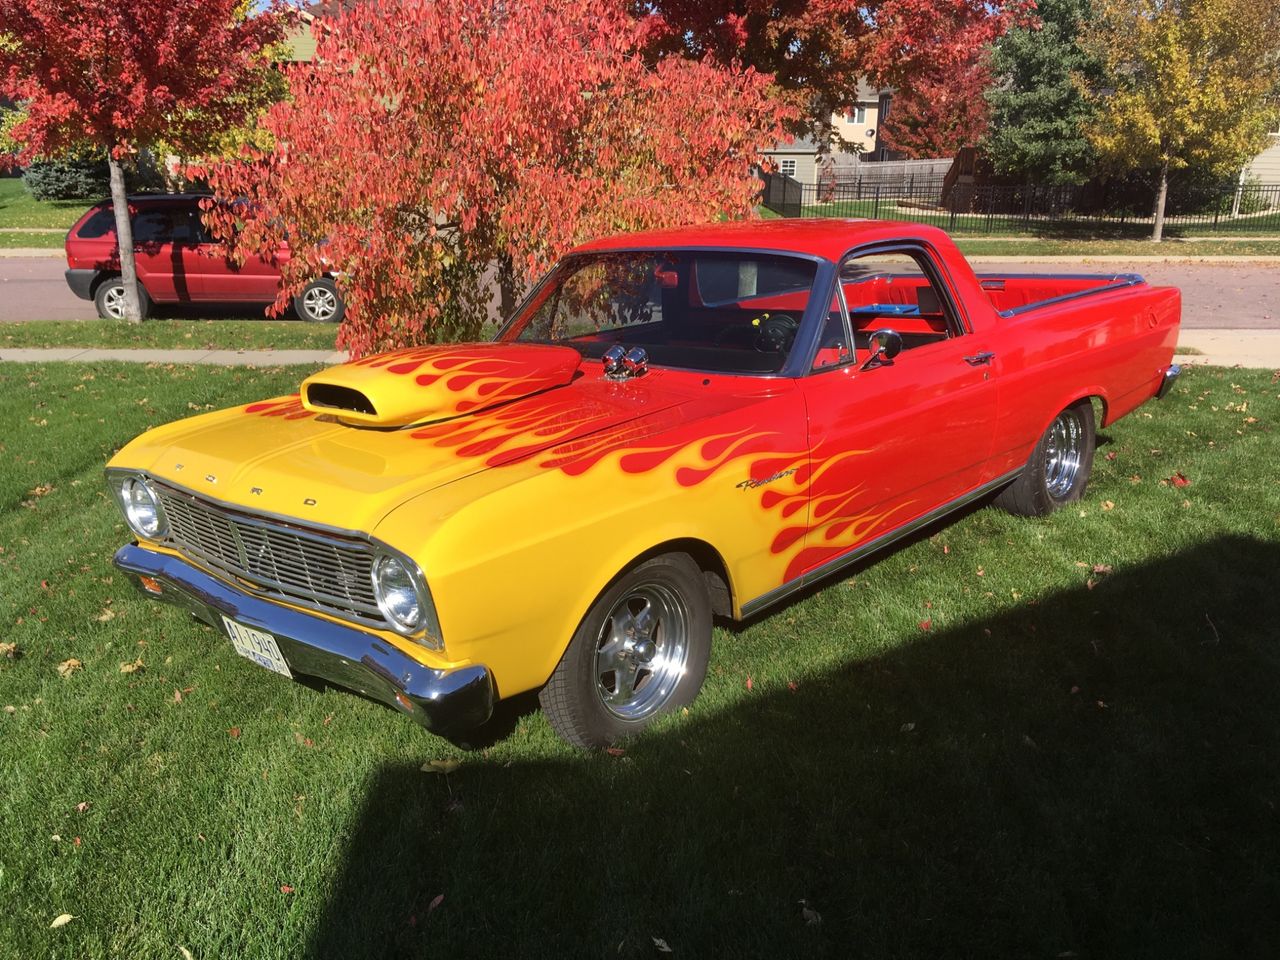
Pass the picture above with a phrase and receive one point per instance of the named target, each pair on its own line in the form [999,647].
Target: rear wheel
[109,299]
[320,302]
[1059,468]
[640,652]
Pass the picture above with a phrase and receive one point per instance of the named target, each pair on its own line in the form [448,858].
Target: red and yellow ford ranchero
[673,426]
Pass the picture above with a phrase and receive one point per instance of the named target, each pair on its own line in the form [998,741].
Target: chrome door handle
[978,359]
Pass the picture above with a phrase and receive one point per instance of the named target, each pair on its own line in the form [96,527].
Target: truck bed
[1014,293]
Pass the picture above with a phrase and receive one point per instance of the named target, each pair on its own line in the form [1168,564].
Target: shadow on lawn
[1094,775]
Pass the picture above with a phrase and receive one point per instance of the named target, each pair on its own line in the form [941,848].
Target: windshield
[734,312]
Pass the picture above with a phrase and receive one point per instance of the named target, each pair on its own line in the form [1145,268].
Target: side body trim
[752,607]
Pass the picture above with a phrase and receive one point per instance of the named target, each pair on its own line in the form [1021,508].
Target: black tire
[590,705]
[109,299]
[320,302]
[1059,468]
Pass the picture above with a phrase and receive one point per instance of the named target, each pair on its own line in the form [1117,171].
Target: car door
[165,252]
[257,280]
[893,442]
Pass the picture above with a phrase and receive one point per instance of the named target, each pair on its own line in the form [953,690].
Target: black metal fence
[964,208]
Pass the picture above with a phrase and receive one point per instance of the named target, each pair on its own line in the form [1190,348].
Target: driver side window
[898,291]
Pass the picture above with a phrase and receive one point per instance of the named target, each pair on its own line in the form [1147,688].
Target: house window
[858,114]
[787,167]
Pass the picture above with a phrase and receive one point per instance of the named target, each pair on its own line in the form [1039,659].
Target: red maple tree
[941,111]
[122,74]
[437,145]
[817,50]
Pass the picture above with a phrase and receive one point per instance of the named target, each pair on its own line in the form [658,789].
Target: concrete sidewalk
[1232,348]
[221,358]
[1222,348]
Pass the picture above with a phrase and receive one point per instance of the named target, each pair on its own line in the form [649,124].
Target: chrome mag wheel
[642,651]
[1064,452]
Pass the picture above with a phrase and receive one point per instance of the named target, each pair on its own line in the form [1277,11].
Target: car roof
[819,237]
[140,199]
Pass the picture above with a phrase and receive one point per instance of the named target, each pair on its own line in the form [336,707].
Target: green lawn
[171,334]
[1014,738]
[41,241]
[18,209]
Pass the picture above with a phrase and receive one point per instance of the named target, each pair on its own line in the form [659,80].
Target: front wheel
[320,302]
[641,651]
[1059,468]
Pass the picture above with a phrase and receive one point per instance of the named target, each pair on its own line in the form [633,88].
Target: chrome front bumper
[440,700]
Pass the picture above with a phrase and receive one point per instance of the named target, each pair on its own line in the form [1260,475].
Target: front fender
[516,555]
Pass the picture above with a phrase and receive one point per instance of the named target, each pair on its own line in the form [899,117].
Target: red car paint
[177,261]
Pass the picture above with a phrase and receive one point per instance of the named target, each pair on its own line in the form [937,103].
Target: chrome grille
[304,566]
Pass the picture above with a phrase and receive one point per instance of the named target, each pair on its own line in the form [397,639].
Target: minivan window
[101,224]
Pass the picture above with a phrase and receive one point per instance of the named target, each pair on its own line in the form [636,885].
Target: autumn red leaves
[438,147]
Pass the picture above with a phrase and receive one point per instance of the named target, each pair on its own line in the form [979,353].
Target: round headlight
[397,593]
[141,508]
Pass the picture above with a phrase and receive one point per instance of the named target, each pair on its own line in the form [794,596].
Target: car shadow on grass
[1092,775]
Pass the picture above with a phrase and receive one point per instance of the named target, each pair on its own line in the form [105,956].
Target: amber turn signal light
[150,584]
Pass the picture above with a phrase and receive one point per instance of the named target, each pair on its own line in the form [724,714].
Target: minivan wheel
[109,299]
[320,302]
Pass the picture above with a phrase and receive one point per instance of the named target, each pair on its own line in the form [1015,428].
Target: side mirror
[885,345]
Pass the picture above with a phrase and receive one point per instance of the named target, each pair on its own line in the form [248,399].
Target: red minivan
[178,262]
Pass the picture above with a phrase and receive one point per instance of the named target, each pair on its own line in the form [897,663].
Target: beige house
[300,40]
[1266,165]
[854,137]
[857,126]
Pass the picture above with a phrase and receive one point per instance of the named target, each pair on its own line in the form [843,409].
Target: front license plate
[257,646]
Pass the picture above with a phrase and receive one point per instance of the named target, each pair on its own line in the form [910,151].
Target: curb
[50,253]
[1258,261]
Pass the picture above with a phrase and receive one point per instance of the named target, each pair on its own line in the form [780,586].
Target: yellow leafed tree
[1187,82]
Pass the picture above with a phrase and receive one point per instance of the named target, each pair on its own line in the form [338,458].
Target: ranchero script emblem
[752,484]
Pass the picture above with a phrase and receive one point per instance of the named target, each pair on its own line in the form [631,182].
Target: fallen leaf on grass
[106,614]
[67,667]
[1111,455]
[925,625]
[234,733]
[9,650]
[435,902]
[440,766]
[661,945]
[1108,504]
[906,728]
[811,916]
[1102,568]
[615,752]
[186,954]
[1179,480]
[285,888]
[132,667]
[83,806]
[61,920]
[750,684]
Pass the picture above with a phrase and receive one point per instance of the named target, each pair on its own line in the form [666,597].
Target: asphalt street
[1217,296]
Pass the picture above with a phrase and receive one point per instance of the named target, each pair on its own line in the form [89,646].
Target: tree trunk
[509,293]
[124,239]
[1157,233]
[1239,194]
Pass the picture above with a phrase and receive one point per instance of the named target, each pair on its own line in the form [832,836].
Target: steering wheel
[774,332]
